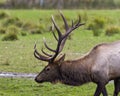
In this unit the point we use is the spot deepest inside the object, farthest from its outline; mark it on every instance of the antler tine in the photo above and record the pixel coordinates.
(35, 46)
(73, 27)
(68, 31)
(72, 23)
(65, 22)
(78, 23)
(47, 46)
(79, 20)
(54, 34)
(45, 53)
(62, 45)
(58, 30)
(39, 56)
(61, 39)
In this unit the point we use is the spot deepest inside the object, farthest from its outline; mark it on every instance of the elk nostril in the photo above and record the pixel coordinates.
(36, 80)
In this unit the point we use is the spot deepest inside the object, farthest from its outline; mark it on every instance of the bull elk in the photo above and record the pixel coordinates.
(100, 65)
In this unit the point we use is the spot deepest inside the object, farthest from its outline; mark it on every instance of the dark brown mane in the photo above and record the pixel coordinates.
(76, 72)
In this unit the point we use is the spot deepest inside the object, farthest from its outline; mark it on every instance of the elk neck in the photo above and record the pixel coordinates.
(76, 72)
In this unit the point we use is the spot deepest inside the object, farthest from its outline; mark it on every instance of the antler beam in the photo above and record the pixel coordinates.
(60, 39)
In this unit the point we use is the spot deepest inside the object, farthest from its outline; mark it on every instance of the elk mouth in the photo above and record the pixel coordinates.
(39, 81)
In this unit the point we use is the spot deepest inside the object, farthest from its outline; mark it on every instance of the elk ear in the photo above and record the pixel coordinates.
(61, 59)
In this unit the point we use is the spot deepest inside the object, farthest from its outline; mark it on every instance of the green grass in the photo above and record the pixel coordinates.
(17, 56)
(27, 87)
(2, 1)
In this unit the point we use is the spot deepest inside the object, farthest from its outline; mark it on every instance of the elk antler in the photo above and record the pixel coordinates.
(61, 38)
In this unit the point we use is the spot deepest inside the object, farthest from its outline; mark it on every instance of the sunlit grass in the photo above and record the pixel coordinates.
(2, 1)
(17, 56)
(27, 87)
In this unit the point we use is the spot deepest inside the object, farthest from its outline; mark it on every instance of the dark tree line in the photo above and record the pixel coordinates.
(61, 4)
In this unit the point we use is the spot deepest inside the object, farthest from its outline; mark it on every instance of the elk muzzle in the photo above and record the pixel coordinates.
(38, 80)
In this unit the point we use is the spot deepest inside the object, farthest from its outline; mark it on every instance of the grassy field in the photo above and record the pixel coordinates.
(17, 56)
(27, 87)
(2, 1)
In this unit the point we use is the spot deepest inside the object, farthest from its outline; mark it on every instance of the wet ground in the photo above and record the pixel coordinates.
(16, 75)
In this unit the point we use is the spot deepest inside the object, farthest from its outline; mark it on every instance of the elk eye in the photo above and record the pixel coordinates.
(48, 68)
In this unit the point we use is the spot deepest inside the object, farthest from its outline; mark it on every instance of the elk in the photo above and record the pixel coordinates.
(100, 65)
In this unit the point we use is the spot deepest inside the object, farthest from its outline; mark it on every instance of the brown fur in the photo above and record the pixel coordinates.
(72, 74)
(83, 70)
(100, 65)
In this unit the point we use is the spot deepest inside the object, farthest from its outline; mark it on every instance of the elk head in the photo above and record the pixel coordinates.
(51, 73)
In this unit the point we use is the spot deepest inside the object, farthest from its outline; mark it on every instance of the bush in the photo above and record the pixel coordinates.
(84, 16)
(11, 33)
(23, 33)
(28, 26)
(11, 21)
(100, 22)
(19, 23)
(36, 31)
(43, 28)
(11, 36)
(13, 28)
(95, 29)
(3, 15)
(2, 30)
(97, 25)
(111, 30)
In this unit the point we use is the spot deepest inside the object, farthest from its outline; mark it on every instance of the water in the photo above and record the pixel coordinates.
(16, 75)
